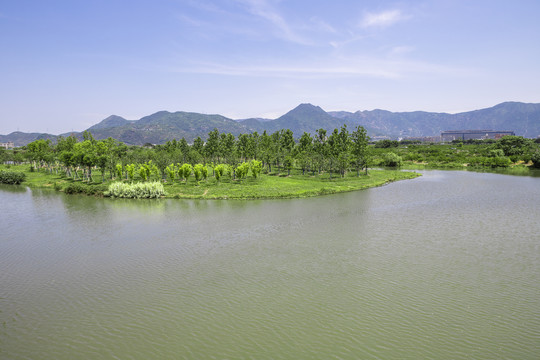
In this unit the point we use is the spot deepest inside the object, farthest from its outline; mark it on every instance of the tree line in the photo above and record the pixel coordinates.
(224, 154)
(334, 153)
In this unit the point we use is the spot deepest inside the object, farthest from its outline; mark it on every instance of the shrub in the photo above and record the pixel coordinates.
(535, 158)
(385, 144)
(219, 170)
(145, 190)
(75, 188)
(501, 161)
(242, 170)
(11, 177)
(256, 167)
(391, 159)
(198, 172)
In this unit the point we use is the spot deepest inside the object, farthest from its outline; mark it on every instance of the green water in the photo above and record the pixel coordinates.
(446, 266)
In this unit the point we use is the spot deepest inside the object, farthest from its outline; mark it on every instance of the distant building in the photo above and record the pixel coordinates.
(424, 139)
(451, 135)
(379, 138)
(7, 145)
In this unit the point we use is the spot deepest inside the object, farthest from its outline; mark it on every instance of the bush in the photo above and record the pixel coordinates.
(145, 190)
(256, 167)
(219, 170)
(385, 144)
(391, 159)
(535, 158)
(79, 188)
(500, 161)
(75, 188)
(11, 177)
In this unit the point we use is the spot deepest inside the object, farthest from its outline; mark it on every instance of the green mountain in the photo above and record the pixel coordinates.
(20, 138)
(110, 122)
(523, 119)
(163, 126)
(305, 117)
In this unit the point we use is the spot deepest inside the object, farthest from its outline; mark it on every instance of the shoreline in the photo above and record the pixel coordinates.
(266, 187)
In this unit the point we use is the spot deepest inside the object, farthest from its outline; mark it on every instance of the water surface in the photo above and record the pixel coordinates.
(446, 266)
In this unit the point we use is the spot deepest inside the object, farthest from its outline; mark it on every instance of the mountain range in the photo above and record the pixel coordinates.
(522, 118)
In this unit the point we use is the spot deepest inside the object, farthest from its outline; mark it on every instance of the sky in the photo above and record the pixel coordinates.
(65, 65)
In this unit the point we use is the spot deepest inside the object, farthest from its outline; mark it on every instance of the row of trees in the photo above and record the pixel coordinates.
(335, 153)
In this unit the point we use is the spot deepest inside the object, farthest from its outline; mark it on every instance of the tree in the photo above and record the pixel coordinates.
(65, 144)
(514, 145)
(267, 150)
(254, 140)
(171, 172)
(333, 150)
(359, 149)
(184, 148)
(102, 156)
(119, 171)
(198, 146)
(84, 154)
(40, 151)
(3, 155)
(242, 170)
(184, 171)
(287, 145)
(219, 170)
(342, 145)
(211, 148)
(385, 144)
(535, 158)
(197, 171)
(243, 145)
(229, 149)
(130, 170)
(391, 159)
(320, 147)
(256, 167)
(304, 151)
(288, 164)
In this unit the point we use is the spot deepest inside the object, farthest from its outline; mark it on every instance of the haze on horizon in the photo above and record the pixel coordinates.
(66, 65)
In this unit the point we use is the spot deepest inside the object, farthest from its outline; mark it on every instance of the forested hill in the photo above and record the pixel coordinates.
(163, 126)
(523, 119)
(19, 138)
(158, 128)
(305, 117)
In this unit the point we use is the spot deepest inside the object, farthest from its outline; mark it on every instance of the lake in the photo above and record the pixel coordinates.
(445, 266)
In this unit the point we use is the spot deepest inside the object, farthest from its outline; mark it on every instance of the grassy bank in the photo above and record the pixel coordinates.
(267, 186)
(276, 186)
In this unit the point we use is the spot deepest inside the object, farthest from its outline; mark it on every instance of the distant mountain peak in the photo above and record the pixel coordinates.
(307, 107)
(110, 122)
(522, 118)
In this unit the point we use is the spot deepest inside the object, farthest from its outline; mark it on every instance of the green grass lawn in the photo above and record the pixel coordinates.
(267, 186)
(275, 186)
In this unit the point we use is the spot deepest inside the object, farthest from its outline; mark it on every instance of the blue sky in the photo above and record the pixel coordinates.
(68, 64)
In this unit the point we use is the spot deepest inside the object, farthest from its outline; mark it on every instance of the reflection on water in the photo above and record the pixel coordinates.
(443, 266)
(517, 170)
(13, 188)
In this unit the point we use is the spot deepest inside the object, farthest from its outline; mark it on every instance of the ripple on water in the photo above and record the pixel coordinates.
(421, 269)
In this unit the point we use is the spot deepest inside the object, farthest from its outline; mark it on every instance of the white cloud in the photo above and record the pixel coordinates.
(359, 67)
(265, 10)
(382, 19)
